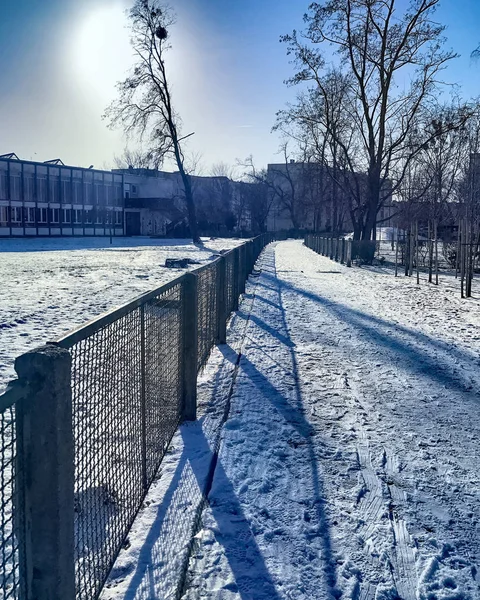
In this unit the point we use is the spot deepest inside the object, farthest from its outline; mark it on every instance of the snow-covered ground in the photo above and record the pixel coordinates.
(50, 286)
(349, 462)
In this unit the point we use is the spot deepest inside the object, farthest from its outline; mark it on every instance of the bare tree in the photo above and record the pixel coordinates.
(136, 159)
(320, 122)
(255, 194)
(144, 104)
(376, 42)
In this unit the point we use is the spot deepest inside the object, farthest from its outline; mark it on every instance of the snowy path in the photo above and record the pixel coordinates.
(349, 463)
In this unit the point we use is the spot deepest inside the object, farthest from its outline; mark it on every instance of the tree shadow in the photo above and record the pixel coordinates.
(384, 333)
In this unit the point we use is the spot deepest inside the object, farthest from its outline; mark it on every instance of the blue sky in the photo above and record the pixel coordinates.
(60, 59)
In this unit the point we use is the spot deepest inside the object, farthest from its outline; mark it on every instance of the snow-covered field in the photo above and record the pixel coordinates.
(349, 461)
(52, 285)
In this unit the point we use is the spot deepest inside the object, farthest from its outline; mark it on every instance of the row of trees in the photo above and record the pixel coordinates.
(376, 112)
(369, 112)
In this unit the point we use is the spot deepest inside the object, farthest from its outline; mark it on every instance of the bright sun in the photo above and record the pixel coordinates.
(101, 49)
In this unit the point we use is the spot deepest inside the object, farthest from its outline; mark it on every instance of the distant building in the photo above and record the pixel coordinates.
(53, 199)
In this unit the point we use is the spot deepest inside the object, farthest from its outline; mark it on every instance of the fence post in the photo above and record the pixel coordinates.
(221, 301)
(342, 257)
(250, 257)
(349, 253)
(236, 269)
(45, 488)
(190, 359)
(242, 269)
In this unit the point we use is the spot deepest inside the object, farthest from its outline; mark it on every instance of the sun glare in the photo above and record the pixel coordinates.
(101, 49)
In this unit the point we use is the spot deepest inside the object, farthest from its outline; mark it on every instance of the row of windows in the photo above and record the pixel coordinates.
(67, 191)
(17, 215)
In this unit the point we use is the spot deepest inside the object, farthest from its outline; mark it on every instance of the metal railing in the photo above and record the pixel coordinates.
(105, 400)
(342, 250)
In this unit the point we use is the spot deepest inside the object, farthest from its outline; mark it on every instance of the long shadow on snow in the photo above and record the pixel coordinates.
(293, 412)
(162, 561)
(414, 359)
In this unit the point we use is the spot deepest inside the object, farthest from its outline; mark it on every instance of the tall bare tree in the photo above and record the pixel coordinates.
(378, 44)
(144, 104)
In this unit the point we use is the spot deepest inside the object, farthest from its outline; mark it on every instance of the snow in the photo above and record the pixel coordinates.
(51, 285)
(348, 463)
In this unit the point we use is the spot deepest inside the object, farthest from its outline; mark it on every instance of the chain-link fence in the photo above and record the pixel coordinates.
(117, 388)
(341, 249)
(9, 555)
(207, 310)
(126, 399)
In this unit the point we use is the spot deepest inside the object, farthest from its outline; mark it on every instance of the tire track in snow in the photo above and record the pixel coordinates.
(404, 553)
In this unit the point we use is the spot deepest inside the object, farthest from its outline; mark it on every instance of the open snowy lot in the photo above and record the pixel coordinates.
(348, 464)
(50, 286)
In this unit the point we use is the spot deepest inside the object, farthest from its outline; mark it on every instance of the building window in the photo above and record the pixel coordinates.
(29, 215)
(3, 216)
(15, 184)
(77, 192)
(77, 216)
(3, 186)
(98, 217)
(54, 215)
(54, 190)
(16, 214)
(99, 194)
(127, 190)
(42, 215)
(42, 189)
(29, 188)
(118, 217)
(67, 216)
(66, 191)
(108, 217)
(88, 216)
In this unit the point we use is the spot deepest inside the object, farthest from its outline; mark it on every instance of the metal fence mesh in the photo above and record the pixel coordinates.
(9, 561)
(230, 280)
(207, 311)
(126, 391)
(163, 374)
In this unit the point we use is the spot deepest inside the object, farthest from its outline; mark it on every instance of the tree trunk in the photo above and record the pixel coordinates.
(187, 186)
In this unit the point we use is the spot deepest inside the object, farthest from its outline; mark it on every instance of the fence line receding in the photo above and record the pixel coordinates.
(107, 399)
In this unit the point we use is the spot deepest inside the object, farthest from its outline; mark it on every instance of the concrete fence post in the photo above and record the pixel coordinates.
(349, 253)
(222, 301)
(190, 350)
(250, 257)
(242, 269)
(235, 278)
(342, 257)
(45, 463)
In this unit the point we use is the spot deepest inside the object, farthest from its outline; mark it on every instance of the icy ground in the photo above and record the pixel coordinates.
(349, 461)
(50, 286)
(350, 458)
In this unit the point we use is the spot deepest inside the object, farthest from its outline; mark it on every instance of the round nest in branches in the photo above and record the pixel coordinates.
(161, 33)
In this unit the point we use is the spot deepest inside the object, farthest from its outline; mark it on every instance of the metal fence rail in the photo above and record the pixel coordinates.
(106, 400)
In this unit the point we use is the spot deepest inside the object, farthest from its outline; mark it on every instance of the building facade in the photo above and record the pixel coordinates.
(52, 199)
